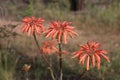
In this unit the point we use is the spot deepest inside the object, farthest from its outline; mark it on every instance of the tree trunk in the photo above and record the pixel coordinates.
(80, 4)
(77, 5)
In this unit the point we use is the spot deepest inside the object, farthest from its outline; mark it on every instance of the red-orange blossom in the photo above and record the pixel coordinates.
(32, 24)
(60, 30)
(48, 47)
(91, 53)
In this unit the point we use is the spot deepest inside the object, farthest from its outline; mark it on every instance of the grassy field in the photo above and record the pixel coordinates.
(100, 24)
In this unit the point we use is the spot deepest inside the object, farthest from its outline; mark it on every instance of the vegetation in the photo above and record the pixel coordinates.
(98, 22)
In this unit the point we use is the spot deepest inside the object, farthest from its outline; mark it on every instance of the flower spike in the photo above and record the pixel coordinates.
(60, 30)
(91, 53)
(48, 47)
(32, 25)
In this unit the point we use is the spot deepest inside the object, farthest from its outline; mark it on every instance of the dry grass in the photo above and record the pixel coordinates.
(100, 26)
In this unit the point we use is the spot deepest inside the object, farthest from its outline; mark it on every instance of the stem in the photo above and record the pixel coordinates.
(60, 60)
(44, 58)
(26, 75)
(82, 74)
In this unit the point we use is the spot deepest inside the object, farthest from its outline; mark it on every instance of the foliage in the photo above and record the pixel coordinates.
(8, 63)
(92, 20)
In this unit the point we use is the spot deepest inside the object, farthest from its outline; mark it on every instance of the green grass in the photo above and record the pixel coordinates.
(8, 63)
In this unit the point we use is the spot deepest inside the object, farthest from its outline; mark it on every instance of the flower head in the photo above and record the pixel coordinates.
(59, 30)
(48, 47)
(91, 53)
(26, 67)
(31, 24)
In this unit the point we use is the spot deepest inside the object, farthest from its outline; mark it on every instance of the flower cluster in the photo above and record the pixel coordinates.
(32, 25)
(48, 47)
(91, 53)
(59, 30)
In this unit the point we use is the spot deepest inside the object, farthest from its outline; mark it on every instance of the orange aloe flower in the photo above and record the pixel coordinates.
(91, 53)
(32, 24)
(59, 30)
(48, 47)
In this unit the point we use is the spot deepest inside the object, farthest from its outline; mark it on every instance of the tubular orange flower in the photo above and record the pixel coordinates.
(91, 53)
(32, 25)
(48, 47)
(59, 30)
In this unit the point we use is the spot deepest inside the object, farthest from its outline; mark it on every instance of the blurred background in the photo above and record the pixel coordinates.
(97, 20)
